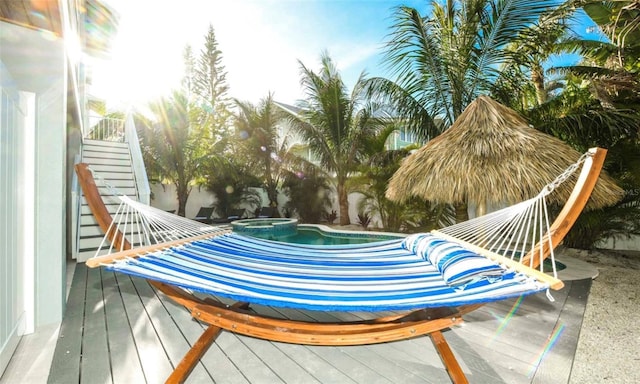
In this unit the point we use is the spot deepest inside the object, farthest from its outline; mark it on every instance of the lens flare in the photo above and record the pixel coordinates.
(553, 339)
(505, 321)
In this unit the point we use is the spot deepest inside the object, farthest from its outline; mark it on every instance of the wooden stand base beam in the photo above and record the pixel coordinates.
(448, 359)
(193, 356)
(189, 361)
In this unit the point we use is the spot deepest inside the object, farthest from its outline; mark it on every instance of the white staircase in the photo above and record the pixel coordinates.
(111, 164)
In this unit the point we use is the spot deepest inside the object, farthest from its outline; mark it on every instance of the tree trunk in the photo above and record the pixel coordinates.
(462, 213)
(537, 77)
(182, 193)
(343, 201)
(272, 194)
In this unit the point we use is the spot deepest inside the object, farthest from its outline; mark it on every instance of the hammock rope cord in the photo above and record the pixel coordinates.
(392, 274)
(144, 225)
(514, 231)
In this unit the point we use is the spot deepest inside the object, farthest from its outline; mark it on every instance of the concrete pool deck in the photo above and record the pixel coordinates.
(609, 345)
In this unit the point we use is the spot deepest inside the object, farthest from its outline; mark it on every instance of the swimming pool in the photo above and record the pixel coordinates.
(321, 235)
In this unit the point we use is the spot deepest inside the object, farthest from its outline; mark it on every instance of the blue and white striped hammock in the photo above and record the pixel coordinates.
(478, 261)
(376, 276)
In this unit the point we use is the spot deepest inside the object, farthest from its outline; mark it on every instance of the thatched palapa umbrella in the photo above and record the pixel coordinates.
(490, 155)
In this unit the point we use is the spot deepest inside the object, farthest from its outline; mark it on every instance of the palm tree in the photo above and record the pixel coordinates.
(309, 191)
(599, 106)
(443, 61)
(524, 80)
(611, 63)
(260, 145)
(231, 182)
(173, 148)
(334, 122)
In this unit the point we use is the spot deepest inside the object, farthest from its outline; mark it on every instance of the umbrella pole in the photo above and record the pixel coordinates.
(481, 208)
(462, 213)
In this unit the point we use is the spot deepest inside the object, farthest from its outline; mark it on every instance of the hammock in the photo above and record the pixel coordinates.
(436, 276)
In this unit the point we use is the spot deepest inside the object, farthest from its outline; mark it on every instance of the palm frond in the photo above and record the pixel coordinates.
(404, 107)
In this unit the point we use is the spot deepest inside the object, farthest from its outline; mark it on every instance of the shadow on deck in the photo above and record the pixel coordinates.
(119, 329)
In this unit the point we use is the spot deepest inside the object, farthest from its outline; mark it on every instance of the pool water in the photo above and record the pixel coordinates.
(548, 266)
(315, 236)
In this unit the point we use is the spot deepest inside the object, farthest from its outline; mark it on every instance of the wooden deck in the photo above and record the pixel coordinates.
(118, 329)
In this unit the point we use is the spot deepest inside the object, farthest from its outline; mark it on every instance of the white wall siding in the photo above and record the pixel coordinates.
(632, 244)
(50, 203)
(12, 309)
(33, 80)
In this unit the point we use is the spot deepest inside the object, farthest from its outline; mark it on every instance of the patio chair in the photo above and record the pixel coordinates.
(268, 212)
(234, 214)
(204, 215)
(433, 278)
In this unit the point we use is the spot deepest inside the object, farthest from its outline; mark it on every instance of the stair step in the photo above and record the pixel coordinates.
(93, 161)
(85, 210)
(117, 183)
(104, 144)
(87, 220)
(87, 254)
(108, 195)
(99, 168)
(91, 231)
(96, 149)
(111, 164)
(93, 243)
(114, 175)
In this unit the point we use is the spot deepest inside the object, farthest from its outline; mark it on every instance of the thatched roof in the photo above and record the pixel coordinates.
(491, 155)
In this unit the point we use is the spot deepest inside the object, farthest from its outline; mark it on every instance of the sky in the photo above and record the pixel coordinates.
(262, 43)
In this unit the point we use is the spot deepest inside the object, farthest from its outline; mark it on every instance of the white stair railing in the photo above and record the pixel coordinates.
(106, 129)
(137, 163)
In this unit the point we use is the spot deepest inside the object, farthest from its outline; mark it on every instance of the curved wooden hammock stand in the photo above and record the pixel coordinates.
(239, 319)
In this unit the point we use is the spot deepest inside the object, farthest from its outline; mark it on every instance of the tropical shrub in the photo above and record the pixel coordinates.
(309, 193)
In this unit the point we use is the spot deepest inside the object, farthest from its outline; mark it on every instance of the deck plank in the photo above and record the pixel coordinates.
(65, 366)
(169, 333)
(420, 356)
(95, 367)
(142, 335)
(558, 359)
(383, 366)
(215, 362)
(251, 366)
(288, 370)
(153, 358)
(121, 341)
(311, 358)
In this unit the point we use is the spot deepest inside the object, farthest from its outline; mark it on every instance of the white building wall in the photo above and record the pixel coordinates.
(164, 197)
(632, 244)
(13, 305)
(32, 221)
(35, 64)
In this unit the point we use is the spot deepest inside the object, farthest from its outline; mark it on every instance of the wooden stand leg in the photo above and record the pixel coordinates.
(201, 346)
(189, 361)
(450, 363)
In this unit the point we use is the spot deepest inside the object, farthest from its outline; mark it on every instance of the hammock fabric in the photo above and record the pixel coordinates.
(437, 277)
(377, 276)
